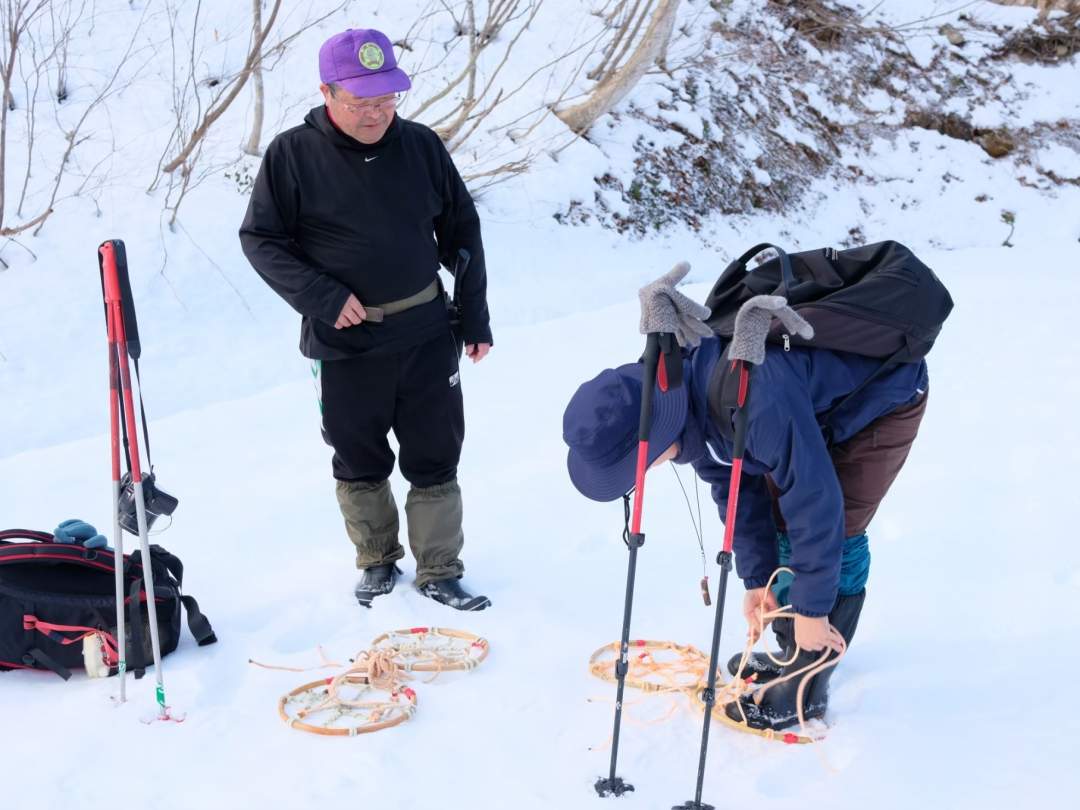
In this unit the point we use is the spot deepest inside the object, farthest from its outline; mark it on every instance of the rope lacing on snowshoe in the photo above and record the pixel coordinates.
(320, 707)
(740, 686)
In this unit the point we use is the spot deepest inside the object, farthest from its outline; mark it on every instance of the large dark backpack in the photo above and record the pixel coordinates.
(877, 301)
(54, 595)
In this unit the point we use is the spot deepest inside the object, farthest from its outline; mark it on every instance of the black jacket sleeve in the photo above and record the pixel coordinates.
(266, 238)
(458, 226)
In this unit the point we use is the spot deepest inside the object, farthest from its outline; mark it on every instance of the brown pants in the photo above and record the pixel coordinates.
(868, 463)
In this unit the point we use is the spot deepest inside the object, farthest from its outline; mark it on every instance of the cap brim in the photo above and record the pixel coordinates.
(614, 480)
(383, 83)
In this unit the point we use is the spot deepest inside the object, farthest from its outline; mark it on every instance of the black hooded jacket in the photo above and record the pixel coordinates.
(330, 216)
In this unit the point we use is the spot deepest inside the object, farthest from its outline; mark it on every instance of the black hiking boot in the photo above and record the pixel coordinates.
(376, 581)
(449, 592)
(759, 665)
(778, 708)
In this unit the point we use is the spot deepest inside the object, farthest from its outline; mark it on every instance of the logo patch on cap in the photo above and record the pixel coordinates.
(371, 56)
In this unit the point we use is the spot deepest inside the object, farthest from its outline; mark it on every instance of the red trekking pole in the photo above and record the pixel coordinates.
(752, 325)
(666, 375)
(120, 389)
(114, 441)
(724, 560)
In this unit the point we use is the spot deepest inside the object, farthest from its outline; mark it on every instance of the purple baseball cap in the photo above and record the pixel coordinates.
(362, 61)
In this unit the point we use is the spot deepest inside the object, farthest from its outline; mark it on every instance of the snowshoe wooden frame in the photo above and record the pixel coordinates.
(374, 715)
(691, 660)
(725, 695)
(433, 649)
(667, 675)
(315, 706)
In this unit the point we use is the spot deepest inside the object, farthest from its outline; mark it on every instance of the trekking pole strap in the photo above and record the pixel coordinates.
(112, 258)
(142, 412)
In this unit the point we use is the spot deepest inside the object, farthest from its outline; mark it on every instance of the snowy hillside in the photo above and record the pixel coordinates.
(217, 318)
(975, 572)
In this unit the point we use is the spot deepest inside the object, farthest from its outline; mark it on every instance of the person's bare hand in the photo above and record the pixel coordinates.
(351, 314)
(477, 351)
(755, 600)
(815, 634)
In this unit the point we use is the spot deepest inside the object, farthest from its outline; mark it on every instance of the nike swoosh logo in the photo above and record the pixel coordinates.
(371, 158)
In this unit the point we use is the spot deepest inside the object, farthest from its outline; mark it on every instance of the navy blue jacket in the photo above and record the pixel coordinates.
(784, 441)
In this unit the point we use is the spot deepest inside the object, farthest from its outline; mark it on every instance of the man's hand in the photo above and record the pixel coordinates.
(351, 314)
(815, 634)
(755, 600)
(477, 351)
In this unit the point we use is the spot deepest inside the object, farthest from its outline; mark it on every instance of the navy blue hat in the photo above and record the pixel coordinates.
(600, 426)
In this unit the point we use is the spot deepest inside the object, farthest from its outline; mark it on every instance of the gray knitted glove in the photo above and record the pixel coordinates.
(752, 326)
(665, 309)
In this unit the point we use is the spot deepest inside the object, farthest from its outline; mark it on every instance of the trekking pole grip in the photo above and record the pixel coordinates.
(648, 380)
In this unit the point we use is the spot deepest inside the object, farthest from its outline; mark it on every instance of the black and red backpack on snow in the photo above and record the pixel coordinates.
(57, 599)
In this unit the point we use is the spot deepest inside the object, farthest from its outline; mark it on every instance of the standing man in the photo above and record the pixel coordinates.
(351, 215)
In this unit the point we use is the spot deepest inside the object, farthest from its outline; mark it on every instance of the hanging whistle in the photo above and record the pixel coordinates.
(705, 591)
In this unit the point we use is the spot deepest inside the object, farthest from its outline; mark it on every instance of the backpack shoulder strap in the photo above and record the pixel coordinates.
(41, 658)
(170, 561)
(198, 624)
(723, 395)
(137, 662)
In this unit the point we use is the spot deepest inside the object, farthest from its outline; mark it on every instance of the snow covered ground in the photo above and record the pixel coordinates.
(956, 692)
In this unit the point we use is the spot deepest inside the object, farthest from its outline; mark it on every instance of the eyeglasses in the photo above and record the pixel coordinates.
(371, 106)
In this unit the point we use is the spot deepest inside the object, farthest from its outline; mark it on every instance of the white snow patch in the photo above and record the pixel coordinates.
(877, 100)
(1060, 160)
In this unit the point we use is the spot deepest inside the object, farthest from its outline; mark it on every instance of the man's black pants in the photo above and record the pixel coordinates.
(416, 393)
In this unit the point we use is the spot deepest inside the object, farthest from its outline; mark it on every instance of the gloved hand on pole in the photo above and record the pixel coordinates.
(665, 309)
(752, 324)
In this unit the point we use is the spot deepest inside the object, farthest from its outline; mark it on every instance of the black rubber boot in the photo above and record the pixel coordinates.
(759, 664)
(449, 592)
(377, 580)
(778, 709)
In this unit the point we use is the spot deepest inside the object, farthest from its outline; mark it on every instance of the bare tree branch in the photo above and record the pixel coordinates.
(36, 221)
(254, 56)
(620, 81)
(71, 136)
(252, 146)
(15, 17)
(185, 149)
